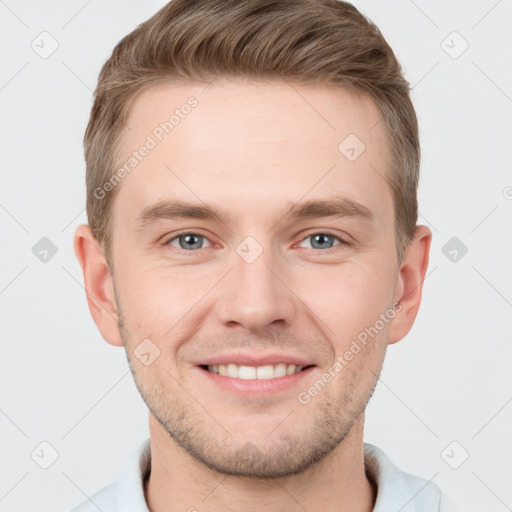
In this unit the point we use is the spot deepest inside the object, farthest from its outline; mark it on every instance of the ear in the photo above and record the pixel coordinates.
(410, 283)
(98, 283)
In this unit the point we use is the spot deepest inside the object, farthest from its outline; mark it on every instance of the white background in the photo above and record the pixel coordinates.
(449, 380)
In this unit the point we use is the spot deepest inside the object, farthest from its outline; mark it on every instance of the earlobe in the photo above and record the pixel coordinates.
(98, 284)
(409, 286)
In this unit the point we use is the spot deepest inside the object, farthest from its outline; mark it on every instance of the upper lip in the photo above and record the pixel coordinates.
(255, 360)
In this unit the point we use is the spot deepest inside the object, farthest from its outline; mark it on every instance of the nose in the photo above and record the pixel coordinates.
(256, 295)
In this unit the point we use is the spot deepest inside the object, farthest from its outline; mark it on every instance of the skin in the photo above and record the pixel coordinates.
(251, 148)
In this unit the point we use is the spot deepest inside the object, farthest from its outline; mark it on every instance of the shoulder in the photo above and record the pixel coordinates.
(397, 489)
(103, 500)
(127, 493)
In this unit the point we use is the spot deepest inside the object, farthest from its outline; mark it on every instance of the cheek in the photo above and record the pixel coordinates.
(347, 299)
(154, 299)
(161, 301)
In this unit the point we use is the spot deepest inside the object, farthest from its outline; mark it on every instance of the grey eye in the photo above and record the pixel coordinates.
(322, 240)
(188, 241)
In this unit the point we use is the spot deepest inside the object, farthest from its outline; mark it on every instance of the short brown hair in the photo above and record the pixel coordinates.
(325, 42)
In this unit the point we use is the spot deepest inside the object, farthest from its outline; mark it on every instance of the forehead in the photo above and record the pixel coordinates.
(252, 143)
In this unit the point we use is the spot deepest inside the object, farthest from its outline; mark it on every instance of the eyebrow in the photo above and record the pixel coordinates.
(175, 209)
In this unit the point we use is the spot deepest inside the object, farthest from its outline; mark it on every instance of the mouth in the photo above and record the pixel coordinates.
(265, 372)
(256, 377)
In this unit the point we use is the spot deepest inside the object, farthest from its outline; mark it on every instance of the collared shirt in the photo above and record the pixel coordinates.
(396, 490)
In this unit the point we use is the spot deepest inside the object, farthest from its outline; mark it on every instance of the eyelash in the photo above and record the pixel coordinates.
(342, 241)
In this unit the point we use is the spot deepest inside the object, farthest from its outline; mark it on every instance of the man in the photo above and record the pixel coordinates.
(252, 169)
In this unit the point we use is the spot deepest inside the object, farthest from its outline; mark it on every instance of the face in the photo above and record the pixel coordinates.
(246, 242)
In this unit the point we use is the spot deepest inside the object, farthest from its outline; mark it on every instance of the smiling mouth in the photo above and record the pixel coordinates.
(266, 372)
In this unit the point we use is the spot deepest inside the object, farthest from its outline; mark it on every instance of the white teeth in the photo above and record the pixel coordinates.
(265, 372)
(232, 371)
(280, 370)
(251, 372)
(290, 370)
(246, 372)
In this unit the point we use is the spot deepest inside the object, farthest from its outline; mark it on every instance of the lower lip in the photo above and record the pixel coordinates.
(256, 386)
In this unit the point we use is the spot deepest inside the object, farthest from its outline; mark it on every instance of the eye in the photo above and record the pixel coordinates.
(188, 241)
(323, 241)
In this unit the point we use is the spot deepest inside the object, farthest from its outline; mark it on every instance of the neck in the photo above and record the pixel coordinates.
(179, 482)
